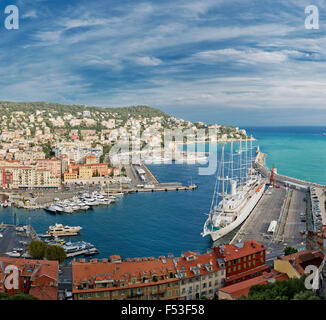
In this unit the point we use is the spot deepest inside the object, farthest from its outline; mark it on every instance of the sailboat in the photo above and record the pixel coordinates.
(233, 202)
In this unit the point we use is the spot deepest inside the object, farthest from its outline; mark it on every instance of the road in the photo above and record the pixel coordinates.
(269, 209)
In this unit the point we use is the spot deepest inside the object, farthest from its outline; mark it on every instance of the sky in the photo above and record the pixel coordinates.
(237, 62)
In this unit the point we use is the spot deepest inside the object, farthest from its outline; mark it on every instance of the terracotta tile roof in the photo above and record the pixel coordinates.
(44, 293)
(35, 270)
(202, 264)
(242, 288)
(300, 260)
(238, 250)
(121, 272)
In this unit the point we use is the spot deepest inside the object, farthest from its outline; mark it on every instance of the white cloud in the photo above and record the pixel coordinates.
(148, 61)
(29, 14)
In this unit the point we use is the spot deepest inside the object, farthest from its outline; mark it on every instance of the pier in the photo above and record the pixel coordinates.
(283, 204)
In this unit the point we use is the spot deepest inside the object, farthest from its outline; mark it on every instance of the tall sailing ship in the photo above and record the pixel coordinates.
(235, 195)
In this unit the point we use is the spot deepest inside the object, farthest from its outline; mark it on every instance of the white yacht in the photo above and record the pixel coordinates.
(61, 230)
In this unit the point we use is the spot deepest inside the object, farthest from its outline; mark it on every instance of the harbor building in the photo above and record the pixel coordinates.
(131, 279)
(242, 260)
(38, 278)
(200, 274)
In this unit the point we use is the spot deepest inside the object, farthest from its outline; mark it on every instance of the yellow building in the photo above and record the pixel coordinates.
(70, 175)
(29, 177)
(85, 172)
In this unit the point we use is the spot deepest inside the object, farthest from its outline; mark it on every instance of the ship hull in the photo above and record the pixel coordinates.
(245, 212)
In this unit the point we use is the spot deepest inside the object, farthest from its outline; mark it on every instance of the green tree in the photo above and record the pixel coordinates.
(4, 296)
(55, 252)
(37, 249)
(305, 295)
(22, 296)
(289, 250)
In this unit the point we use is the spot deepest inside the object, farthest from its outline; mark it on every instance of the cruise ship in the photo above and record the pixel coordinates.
(233, 201)
(60, 231)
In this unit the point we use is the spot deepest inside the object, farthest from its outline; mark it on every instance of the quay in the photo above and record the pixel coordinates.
(15, 240)
(285, 204)
(144, 182)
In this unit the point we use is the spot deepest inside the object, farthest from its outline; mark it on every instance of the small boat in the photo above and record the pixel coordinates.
(5, 204)
(50, 209)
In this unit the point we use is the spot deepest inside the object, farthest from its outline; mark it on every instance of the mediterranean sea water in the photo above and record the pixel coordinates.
(159, 223)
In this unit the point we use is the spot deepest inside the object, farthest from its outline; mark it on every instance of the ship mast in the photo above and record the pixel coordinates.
(246, 155)
(231, 160)
(240, 160)
(223, 177)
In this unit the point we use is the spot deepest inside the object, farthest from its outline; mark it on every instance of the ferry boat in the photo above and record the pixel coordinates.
(232, 205)
(60, 230)
(79, 248)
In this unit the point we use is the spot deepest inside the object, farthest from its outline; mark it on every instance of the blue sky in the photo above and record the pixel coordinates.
(240, 62)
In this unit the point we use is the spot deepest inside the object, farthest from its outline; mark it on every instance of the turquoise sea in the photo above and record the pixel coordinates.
(154, 224)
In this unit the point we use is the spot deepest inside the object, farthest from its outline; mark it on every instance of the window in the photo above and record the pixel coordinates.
(244, 265)
(249, 258)
(261, 253)
(115, 293)
(229, 263)
(98, 294)
(253, 255)
(261, 259)
(234, 268)
(229, 270)
(106, 294)
(249, 264)
(239, 267)
(176, 292)
(170, 293)
(244, 258)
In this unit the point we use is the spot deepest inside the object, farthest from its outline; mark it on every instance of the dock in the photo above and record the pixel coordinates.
(283, 205)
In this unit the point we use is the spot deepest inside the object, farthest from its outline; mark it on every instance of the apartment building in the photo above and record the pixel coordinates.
(131, 279)
(19, 177)
(200, 274)
(28, 155)
(242, 260)
(38, 278)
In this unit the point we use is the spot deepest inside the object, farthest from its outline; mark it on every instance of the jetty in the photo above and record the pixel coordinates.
(260, 166)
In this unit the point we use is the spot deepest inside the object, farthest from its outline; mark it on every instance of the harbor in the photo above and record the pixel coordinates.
(83, 197)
